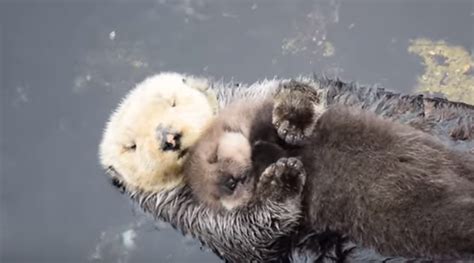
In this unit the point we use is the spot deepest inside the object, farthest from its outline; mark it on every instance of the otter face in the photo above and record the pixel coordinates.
(234, 180)
(219, 169)
(147, 137)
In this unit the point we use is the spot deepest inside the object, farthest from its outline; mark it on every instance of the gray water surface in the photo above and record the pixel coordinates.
(65, 65)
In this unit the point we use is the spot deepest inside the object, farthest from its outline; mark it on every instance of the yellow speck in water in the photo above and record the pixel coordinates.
(449, 69)
(329, 49)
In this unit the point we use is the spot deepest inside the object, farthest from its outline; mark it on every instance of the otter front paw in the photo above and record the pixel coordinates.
(297, 108)
(283, 179)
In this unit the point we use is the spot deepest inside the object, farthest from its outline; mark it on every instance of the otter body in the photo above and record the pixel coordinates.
(146, 140)
(387, 186)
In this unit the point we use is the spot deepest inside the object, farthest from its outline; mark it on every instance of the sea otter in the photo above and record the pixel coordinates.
(145, 143)
(387, 186)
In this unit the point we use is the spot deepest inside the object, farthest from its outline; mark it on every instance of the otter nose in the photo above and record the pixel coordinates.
(169, 139)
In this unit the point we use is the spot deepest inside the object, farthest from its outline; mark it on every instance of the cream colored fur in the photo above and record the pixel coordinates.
(145, 167)
(235, 146)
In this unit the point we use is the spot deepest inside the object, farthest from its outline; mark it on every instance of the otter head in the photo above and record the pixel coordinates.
(234, 181)
(219, 169)
(148, 135)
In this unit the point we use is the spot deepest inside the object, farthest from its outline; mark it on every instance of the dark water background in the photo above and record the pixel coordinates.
(64, 65)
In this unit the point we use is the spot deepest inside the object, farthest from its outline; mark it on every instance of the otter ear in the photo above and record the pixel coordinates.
(201, 84)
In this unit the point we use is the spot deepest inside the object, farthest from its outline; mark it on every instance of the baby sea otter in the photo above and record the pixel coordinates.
(366, 176)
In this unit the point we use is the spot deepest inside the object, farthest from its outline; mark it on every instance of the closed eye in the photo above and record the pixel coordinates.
(229, 184)
(131, 147)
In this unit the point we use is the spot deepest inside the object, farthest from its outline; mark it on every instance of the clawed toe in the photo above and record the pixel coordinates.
(290, 133)
(286, 177)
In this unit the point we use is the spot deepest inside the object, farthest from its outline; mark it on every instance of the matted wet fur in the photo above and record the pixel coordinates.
(387, 186)
(180, 208)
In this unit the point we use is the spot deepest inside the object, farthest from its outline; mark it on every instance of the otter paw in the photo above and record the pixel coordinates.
(286, 177)
(291, 133)
(295, 112)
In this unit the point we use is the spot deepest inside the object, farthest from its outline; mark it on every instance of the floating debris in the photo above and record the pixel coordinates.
(292, 46)
(229, 15)
(329, 49)
(139, 64)
(448, 69)
(117, 244)
(112, 35)
(128, 238)
(81, 83)
(311, 34)
(22, 95)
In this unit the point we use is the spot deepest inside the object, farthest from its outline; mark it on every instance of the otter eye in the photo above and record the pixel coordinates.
(131, 147)
(230, 184)
(172, 102)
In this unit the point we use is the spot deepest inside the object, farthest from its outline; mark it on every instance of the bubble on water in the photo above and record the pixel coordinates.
(128, 238)
(112, 35)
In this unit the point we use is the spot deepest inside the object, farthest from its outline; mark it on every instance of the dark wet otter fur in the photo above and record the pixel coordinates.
(228, 235)
(386, 185)
(389, 187)
(452, 122)
(179, 208)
